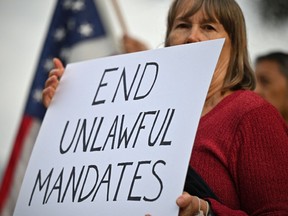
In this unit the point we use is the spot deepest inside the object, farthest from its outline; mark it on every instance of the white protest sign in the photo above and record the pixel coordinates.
(118, 135)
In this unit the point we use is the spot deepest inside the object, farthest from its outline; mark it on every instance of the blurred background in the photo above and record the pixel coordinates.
(23, 27)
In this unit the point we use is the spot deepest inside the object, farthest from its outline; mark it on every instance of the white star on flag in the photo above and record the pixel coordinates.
(85, 29)
(59, 34)
(67, 4)
(78, 5)
(48, 64)
(37, 95)
(65, 53)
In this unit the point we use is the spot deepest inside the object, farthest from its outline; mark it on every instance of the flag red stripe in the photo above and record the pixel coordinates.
(14, 158)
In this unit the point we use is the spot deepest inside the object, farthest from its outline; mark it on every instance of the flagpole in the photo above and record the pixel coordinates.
(120, 16)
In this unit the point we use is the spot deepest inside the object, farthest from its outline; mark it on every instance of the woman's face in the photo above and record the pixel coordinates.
(196, 28)
(272, 84)
(199, 28)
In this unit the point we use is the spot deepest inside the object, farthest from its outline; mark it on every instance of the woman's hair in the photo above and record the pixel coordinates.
(280, 58)
(240, 74)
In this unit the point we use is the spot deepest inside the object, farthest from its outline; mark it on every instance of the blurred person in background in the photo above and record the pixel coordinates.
(272, 80)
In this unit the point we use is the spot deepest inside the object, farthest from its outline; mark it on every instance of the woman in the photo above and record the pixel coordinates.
(272, 80)
(236, 150)
(241, 143)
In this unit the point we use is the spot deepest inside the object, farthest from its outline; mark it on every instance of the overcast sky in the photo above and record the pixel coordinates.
(23, 26)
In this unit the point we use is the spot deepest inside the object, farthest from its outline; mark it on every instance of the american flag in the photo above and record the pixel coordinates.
(74, 24)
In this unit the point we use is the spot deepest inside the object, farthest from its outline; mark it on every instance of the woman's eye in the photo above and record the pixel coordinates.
(209, 27)
(182, 25)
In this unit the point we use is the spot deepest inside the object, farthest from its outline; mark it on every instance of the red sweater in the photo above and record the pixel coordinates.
(241, 151)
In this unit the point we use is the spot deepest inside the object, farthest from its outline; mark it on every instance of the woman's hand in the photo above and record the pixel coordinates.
(52, 82)
(190, 205)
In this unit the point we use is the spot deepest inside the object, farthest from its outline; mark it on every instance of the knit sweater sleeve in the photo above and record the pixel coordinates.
(258, 165)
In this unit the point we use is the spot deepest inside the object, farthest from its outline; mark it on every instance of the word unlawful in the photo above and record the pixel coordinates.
(56, 186)
(118, 135)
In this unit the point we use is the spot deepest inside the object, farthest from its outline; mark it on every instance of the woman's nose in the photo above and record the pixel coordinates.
(194, 35)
